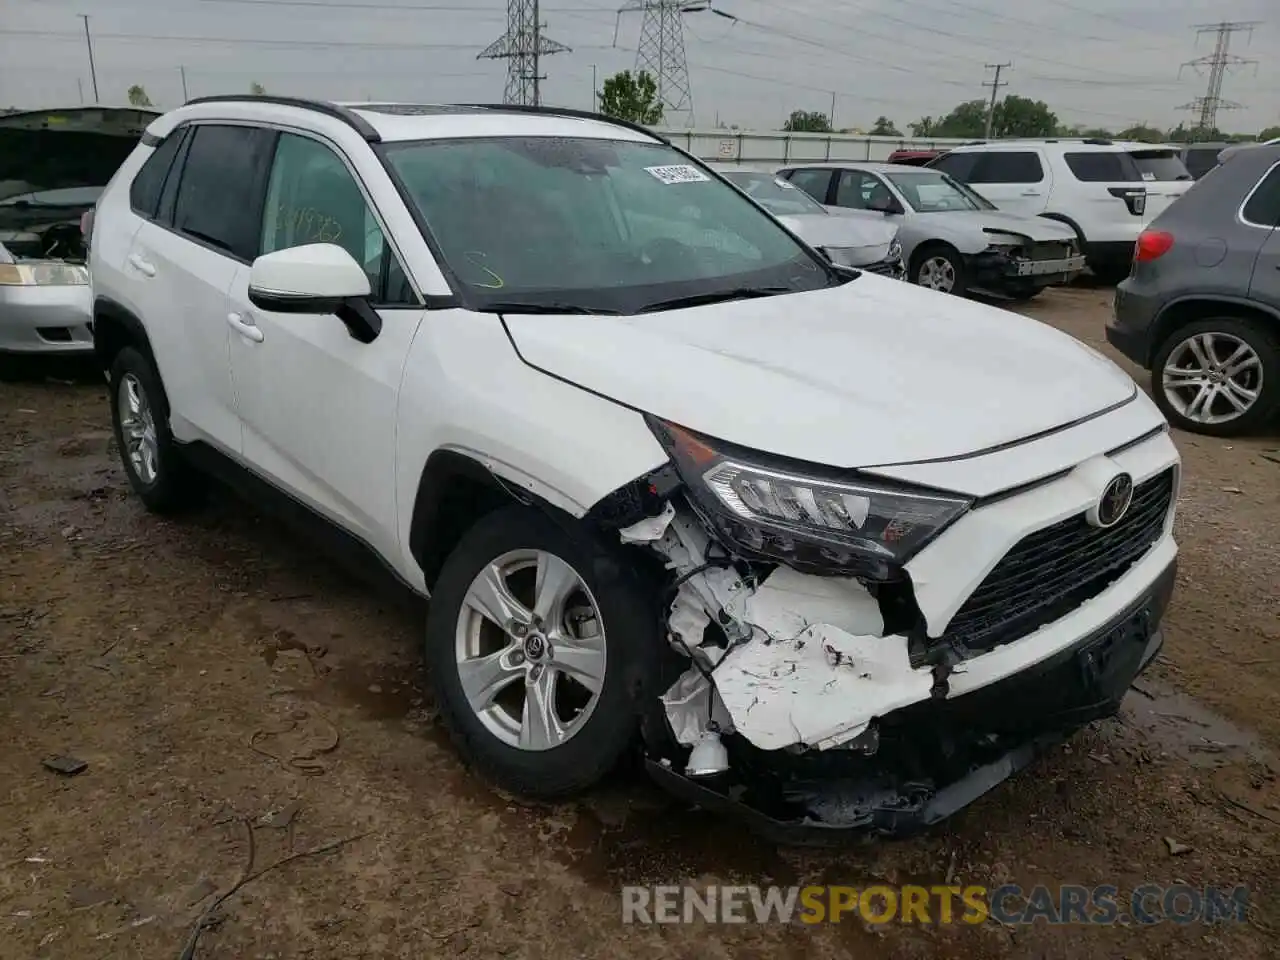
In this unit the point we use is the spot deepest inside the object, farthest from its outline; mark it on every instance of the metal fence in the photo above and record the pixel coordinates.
(779, 148)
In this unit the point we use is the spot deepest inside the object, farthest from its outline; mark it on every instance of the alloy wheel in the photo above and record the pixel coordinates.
(937, 273)
(530, 649)
(1212, 378)
(138, 429)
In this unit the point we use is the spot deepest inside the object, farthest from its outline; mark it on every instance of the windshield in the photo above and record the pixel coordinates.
(1160, 165)
(593, 225)
(773, 193)
(930, 191)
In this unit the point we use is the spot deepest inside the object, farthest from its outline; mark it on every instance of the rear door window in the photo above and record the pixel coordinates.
(958, 166)
(219, 200)
(1160, 165)
(1103, 166)
(1007, 166)
(144, 192)
(813, 182)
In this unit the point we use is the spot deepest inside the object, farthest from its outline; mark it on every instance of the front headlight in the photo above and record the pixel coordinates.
(842, 256)
(772, 508)
(43, 273)
(895, 250)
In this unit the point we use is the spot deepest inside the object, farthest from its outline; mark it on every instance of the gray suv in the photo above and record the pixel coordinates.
(1201, 307)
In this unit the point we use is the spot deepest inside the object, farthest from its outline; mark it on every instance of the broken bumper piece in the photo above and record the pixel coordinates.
(934, 757)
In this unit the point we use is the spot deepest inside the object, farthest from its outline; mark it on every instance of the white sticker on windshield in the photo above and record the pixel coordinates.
(1148, 176)
(784, 184)
(678, 173)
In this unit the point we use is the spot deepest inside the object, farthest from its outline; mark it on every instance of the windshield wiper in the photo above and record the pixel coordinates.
(719, 296)
(520, 306)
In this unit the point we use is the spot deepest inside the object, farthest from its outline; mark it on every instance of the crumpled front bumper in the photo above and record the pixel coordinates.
(938, 756)
(999, 271)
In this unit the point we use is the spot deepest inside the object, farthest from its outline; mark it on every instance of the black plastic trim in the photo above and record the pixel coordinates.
(352, 119)
(149, 139)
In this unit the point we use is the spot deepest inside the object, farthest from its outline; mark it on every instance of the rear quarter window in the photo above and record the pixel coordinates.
(144, 192)
(1102, 166)
(1263, 205)
(1160, 165)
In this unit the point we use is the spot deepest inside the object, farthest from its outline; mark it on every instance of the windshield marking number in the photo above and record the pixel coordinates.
(677, 173)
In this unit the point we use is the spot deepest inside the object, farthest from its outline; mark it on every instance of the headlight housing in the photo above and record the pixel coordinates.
(43, 273)
(842, 256)
(783, 511)
(895, 250)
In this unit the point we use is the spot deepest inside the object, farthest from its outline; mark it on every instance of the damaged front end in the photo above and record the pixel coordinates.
(804, 691)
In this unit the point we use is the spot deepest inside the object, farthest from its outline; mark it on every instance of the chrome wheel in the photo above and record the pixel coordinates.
(937, 273)
(530, 649)
(138, 429)
(1212, 378)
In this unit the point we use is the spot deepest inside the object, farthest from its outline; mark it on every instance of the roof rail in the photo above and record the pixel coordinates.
(349, 117)
(569, 112)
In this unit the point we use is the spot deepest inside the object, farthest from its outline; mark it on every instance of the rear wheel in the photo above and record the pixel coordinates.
(159, 475)
(542, 645)
(1219, 376)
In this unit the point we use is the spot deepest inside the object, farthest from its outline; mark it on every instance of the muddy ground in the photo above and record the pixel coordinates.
(238, 699)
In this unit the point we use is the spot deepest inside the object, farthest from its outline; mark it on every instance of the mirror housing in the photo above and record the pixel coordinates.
(315, 278)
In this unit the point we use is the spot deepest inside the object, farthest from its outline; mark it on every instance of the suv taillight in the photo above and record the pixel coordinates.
(1152, 245)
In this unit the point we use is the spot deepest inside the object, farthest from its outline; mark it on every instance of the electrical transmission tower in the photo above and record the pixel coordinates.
(1217, 62)
(661, 50)
(523, 46)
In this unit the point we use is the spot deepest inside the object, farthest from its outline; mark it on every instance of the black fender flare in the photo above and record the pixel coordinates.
(1063, 218)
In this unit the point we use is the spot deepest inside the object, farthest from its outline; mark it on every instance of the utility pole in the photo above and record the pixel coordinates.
(831, 117)
(183, 70)
(1208, 106)
(595, 91)
(93, 71)
(995, 86)
(80, 85)
(522, 46)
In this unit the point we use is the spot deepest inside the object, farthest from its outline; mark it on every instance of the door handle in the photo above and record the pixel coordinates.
(245, 327)
(144, 267)
(1031, 193)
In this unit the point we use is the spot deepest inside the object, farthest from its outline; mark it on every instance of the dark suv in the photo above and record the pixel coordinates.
(1201, 307)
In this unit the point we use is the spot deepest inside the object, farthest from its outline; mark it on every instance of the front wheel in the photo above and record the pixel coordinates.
(1218, 376)
(541, 647)
(939, 268)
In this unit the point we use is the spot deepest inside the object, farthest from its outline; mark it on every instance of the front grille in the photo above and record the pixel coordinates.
(1050, 250)
(1049, 573)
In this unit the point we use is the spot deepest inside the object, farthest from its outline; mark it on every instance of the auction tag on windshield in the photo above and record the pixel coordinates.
(679, 173)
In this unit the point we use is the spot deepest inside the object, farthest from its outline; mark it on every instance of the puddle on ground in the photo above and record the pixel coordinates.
(380, 691)
(1177, 724)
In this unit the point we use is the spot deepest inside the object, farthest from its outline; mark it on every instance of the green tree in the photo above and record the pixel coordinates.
(1184, 134)
(1016, 116)
(1140, 131)
(967, 120)
(1269, 134)
(807, 121)
(257, 89)
(632, 97)
(138, 97)
(1098, 133)
(884, 128)
(924, 127)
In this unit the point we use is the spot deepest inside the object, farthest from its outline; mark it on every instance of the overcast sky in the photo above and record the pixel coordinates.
(1096, 62)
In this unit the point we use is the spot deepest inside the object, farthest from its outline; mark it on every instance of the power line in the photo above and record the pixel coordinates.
(1217, 62)
(995, 86)
(523, 46)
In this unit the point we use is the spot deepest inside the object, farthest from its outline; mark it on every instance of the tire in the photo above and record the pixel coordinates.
(934, 256)
(1023, 294)
(1229, 335)
(629, 633)
(170, 485)
(15, 368)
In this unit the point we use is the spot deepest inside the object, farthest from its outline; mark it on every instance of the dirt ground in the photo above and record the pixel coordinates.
(239, 700)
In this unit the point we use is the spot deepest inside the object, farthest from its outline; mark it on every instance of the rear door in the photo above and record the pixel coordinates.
(1016, 181)
(815, 181)
(185, 262)
(1109, 196)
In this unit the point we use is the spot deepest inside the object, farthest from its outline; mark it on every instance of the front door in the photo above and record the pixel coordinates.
(318, 408)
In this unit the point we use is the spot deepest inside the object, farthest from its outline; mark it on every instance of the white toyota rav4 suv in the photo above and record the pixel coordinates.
(826, 549)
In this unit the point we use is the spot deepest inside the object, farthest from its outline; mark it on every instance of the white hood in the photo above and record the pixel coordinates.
(820, 230)
(873, 372)
(1036, 229)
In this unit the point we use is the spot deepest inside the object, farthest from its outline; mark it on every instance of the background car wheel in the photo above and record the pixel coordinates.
(938, 267)
(542, 646)
(155, 467)
(1023, 294)
(1219, 376)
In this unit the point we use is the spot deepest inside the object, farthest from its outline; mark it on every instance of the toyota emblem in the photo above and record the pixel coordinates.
(1114, 502)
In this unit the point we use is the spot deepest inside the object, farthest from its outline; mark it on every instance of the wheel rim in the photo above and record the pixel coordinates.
(138, 429)
(530, 650)
(1212, 378)
(937, 273)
